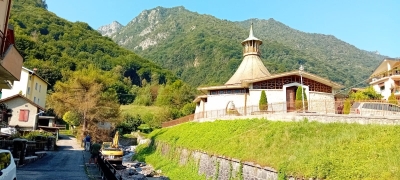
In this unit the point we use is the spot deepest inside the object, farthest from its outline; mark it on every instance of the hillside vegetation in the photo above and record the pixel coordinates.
(204, 50)
(73, 57)
(302, 149)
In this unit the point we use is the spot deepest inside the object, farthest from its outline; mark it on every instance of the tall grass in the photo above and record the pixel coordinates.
(302, 149)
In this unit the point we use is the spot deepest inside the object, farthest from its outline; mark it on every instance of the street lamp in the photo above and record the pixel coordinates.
(301, 69)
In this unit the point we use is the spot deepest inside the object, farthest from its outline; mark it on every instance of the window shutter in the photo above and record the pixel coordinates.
(23, 115)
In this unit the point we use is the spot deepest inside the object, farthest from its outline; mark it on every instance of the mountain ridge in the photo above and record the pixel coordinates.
(192, 45)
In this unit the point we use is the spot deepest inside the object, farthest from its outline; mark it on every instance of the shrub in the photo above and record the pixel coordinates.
(392, 99)
(347, 106)
(299, 99)
(263, 103)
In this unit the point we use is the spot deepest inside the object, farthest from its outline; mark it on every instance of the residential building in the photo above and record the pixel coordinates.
(243, 89)
(25, 113)
(10, 59)
(386, 78)
(30, 85)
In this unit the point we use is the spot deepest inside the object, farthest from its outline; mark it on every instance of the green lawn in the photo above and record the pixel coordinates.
(302, 149)
(141, 110)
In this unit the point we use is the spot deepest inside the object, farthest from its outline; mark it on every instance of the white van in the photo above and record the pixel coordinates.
(375, 108)
(8, 169)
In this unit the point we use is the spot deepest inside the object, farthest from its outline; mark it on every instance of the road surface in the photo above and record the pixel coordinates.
(64, 164)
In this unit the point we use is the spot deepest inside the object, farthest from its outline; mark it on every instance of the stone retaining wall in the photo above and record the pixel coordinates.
(219, 167)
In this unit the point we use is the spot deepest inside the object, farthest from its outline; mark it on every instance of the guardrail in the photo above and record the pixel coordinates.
(108, 171)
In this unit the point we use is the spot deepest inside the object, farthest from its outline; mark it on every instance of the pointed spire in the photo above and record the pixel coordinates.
(251, 36)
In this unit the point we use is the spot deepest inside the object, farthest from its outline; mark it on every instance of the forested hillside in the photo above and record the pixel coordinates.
(73, 56)
(204, 50)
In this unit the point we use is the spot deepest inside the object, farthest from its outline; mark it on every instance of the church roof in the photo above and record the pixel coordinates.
(296, 72)
(251, 68)
(251, 36)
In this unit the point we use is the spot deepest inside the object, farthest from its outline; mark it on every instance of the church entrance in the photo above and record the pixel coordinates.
(290, 98)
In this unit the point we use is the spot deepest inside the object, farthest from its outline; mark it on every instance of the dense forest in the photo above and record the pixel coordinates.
(73, 57)
(204, 50)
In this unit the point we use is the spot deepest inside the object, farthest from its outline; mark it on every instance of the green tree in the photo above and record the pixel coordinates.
(263, 103)
(392, 99)
(88, 93)
(72, 118)
(368, 93)
(299, 99)
(347, 106)
(188, 108)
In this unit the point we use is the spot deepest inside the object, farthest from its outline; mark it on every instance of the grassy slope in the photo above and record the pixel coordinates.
(141, 110)
(310, 149)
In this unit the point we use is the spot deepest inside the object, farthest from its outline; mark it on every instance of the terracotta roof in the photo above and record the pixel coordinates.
(23, 97)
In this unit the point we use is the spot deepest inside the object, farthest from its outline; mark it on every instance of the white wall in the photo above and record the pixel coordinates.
(104, 125)
(386, 92)
(218, 102)
(37, 94)
(215, 105)
(16, 105)
(21, 85)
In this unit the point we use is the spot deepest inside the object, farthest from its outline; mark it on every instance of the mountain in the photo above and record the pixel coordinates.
(204, 50)
(110, 29)
(57, 47)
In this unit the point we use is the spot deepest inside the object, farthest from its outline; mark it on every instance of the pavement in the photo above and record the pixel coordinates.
(93, 170)
(69, 162)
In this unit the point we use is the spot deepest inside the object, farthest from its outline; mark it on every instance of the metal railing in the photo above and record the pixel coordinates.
(107, 170)
(312, 106)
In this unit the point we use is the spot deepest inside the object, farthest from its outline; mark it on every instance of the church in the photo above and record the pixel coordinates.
(240, 95)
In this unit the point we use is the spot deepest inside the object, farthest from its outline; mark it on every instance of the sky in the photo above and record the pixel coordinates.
(369, 25)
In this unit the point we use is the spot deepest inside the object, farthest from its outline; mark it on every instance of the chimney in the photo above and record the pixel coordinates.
(35, 70)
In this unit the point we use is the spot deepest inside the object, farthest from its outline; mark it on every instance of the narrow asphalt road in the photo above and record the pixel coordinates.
(64, 164)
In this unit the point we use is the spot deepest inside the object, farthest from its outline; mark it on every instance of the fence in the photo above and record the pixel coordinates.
(178, 121)
(311, 106)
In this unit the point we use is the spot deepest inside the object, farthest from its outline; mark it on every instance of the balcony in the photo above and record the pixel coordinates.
(10, 61)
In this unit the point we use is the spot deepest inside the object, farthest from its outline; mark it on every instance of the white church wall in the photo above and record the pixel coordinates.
(274, 97)
(218, 102)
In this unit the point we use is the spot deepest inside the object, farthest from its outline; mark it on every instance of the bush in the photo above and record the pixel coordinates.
(263, 103)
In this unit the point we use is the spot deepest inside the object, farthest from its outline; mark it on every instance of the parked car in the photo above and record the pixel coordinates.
(9, 131)
(375, 108)
(8, 169)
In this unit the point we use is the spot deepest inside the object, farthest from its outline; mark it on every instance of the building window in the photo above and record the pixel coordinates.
(29, 90)
(34, 99)
(40, 87)
(38, 100)
(23, 115)
(36, 86)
